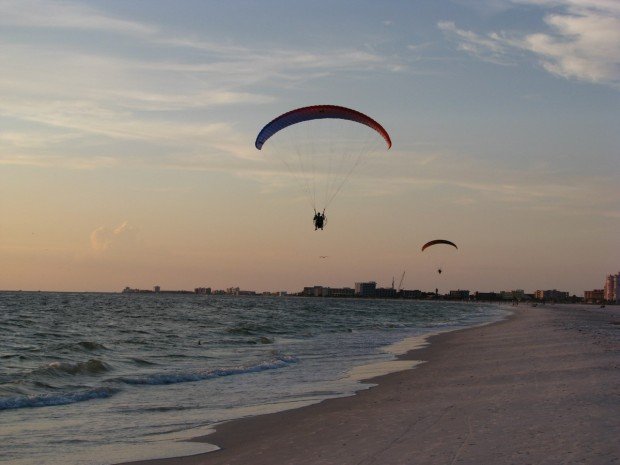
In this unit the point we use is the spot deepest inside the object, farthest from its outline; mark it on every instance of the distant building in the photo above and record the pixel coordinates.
(594, 297)
(486, 296)
(459, 295)
(385, 293)
(236, 291)
(155, 290)
(410, 294)
(575, 299)
(240, 292)
(315, 291)
(365, 289)
(515, 294)
(129, 290)
(612, 288)
(324, 291)
(341, 292)
(552, 295)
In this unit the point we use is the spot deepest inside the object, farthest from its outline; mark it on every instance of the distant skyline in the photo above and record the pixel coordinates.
(127, 143)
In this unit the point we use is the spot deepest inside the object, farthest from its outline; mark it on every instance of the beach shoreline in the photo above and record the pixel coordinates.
(539, 386)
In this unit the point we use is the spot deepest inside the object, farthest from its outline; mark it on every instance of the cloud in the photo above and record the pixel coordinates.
(65, 15)
(418, 47)
(582, 40)
(584, 43)
(56, 161)
(52, 14)
(489, 48)
(121, 239)
(33, 138)
(462, 178)
(78, 99)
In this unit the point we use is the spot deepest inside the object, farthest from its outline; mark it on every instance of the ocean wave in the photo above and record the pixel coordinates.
(46, 400)
(260, 340)
(82, 346)
(91, 367)
(90, 345)
(141, 361)
(242, 330)
(200, 375)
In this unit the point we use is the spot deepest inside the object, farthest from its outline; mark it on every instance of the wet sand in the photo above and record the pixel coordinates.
(541, 387)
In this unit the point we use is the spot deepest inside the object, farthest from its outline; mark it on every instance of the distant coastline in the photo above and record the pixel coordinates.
(368, 290)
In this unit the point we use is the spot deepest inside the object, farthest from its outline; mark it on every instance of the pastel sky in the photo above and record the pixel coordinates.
(127, 143)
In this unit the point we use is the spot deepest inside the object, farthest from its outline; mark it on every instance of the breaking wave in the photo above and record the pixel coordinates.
(200, 375)
(46, 400)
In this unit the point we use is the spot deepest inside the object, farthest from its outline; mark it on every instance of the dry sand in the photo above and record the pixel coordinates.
(541, 387)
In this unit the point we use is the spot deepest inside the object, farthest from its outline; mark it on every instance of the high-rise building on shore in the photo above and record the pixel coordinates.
(612, 288)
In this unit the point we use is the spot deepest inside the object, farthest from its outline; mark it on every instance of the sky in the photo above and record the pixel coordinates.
(127, 135)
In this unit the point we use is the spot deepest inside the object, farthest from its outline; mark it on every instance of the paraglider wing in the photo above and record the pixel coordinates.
(318, 112)
(322, 145)
(439, 241)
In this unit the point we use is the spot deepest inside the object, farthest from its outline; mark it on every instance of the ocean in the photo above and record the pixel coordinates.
(95, 378)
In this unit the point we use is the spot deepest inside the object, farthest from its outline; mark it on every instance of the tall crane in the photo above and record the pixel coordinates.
(400, 284)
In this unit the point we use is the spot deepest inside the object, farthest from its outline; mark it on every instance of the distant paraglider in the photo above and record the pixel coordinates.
(435, 242)
(322, 145)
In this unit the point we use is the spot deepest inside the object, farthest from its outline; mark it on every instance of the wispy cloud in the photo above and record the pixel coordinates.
(117, 239)
(65, 15)
(582, 40)
(473, 183)
(94, 96)
(490, 47)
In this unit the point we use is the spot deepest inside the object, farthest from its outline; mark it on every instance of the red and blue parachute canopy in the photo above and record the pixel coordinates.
(318, 112)
(439, 241)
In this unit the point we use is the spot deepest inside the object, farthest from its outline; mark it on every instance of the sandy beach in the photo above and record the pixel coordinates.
(539, 387)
